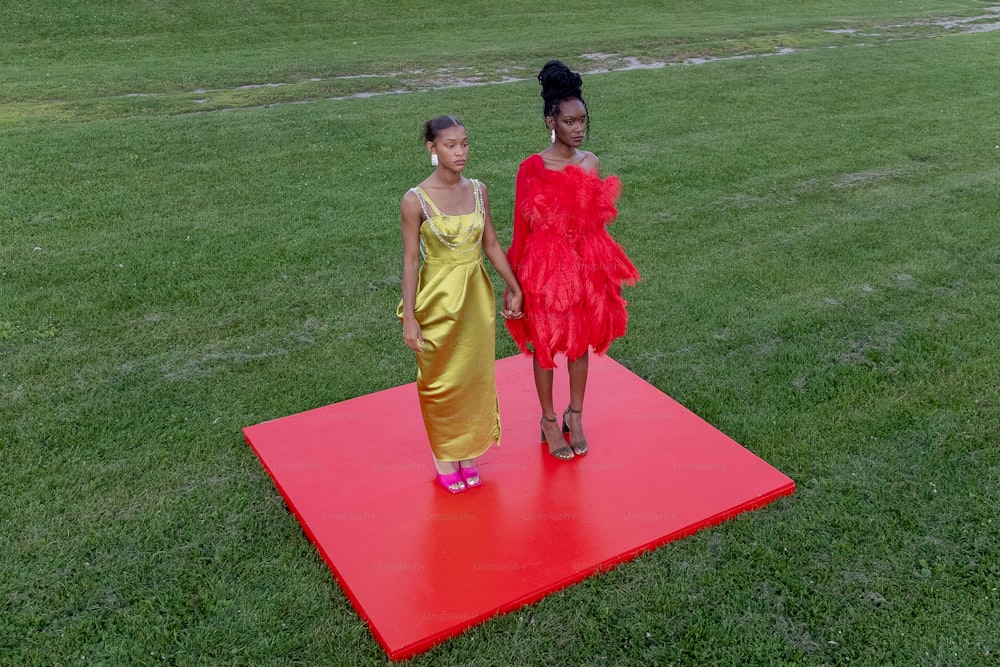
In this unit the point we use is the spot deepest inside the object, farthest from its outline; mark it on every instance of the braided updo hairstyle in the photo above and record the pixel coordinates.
(560, 83)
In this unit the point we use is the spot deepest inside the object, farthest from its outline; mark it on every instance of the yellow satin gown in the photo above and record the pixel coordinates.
(455, 309)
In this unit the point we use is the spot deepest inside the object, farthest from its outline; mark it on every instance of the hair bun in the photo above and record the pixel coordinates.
(434, 126)
(559, 82)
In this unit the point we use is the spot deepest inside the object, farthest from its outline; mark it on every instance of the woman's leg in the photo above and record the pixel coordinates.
(445, 467)
(550, 424)
(543, 385)
(578, 370)
(573, 417)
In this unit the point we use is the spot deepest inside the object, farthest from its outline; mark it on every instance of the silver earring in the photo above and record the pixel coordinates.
(434, 159)
(553, 135)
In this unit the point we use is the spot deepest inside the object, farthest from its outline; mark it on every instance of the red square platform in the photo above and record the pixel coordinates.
(359, 478)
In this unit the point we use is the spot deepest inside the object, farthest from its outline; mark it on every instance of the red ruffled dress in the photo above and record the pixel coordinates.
(569, 267)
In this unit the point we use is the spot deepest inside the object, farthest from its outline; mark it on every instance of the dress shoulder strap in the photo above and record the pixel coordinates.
(477, 187)
(424, 201)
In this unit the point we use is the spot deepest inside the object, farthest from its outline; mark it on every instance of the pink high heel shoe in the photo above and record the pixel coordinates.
(452, 482)
(471, 476)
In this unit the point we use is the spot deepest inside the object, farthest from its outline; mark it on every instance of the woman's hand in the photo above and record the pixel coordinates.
(513, 304)
(411, 334)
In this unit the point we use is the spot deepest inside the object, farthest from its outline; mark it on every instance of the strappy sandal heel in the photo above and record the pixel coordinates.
(580, 446)
(564, 453)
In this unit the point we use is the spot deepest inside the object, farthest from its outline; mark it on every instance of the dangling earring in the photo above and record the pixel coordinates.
(434, 159)
(553, 135)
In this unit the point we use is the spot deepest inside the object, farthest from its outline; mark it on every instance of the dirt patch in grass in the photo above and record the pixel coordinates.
(656, 57)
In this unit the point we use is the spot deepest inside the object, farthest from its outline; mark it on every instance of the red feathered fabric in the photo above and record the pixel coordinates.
(569, 267)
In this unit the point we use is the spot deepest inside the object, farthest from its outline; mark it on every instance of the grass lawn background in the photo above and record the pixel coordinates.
(816, 234)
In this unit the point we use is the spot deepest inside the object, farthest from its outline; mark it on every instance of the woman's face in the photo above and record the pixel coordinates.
(570, 123)
(452, 147)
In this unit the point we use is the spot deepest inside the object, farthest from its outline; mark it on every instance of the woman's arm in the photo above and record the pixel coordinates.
(411, 213)
(494, 252)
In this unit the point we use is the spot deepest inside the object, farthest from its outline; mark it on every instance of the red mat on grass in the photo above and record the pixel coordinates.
(421, 565)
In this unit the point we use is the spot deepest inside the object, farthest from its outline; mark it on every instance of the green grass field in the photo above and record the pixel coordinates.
(199, 207)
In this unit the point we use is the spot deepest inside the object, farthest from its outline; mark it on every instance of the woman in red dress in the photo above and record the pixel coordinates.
(570, 269)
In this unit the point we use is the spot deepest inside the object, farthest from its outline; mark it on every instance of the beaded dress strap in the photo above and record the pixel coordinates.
(423, 199)
(479, 195)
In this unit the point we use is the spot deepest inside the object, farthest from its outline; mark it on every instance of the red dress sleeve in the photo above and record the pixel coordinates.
(520, 222)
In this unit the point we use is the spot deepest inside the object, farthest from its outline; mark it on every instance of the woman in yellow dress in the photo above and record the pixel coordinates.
(447, 309)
